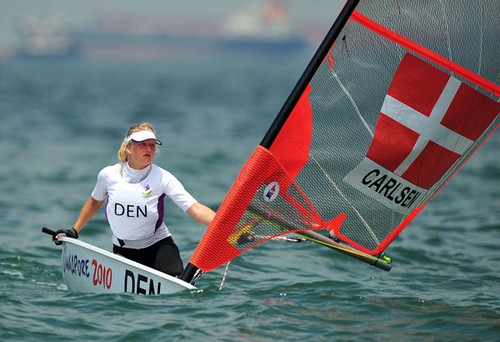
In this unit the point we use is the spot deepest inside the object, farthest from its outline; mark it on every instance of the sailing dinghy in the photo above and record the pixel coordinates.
(396, 99)
(86, 268)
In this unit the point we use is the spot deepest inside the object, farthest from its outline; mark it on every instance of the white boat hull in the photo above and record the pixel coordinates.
(87, 268)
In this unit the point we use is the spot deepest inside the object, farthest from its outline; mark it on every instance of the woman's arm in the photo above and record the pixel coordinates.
(89, 209)
(201, 213)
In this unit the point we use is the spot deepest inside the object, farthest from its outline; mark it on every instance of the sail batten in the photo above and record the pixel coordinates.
(384, 115)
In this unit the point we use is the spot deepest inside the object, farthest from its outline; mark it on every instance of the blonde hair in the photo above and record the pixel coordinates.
(143, 126)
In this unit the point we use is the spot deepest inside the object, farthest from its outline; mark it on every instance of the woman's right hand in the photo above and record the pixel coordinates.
(72, 233)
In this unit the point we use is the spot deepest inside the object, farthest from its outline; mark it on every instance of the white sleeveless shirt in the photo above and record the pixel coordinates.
(135, 206)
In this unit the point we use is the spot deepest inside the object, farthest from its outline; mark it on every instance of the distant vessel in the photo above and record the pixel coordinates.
(45, 38)
(262, 28)
(255, 30)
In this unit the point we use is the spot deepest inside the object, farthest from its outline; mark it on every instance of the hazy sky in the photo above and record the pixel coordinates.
(77, 13)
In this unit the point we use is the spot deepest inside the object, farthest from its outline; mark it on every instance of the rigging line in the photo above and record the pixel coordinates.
(224, 276)
(361, 218)
(351, 99)
(481, 37)
(292, 239)
(446, 24)
(197, 276)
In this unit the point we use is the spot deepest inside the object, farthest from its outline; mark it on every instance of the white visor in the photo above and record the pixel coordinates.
(141, 136)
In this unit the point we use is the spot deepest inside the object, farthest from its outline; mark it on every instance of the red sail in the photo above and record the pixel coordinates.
(399, 99)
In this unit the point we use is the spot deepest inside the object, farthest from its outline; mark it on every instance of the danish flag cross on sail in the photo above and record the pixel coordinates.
(427, 122)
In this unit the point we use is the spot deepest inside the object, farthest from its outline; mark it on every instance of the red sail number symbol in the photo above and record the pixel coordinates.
(428, 120)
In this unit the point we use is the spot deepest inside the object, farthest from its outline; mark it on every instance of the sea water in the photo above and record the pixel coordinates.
(62, 121)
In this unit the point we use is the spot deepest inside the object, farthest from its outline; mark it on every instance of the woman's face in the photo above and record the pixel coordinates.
(141, 154)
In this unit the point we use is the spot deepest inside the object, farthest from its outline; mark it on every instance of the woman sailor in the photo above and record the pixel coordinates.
(135, 189)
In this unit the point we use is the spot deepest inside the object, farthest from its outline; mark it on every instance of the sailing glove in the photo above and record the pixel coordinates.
(72, 233)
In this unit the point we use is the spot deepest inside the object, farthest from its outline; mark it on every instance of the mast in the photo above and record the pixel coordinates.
(190, 271)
